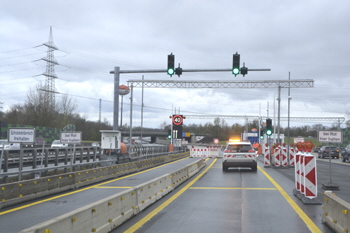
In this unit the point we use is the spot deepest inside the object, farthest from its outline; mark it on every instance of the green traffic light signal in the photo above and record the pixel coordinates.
(236, 64)
(169, 134)
(268, 127)
(171, 64)
(268, 132)
(235, 71)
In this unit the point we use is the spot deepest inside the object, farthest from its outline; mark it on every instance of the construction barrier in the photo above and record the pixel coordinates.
(267, 162)
(297, 171)
(336, 212)
(284, 156)
(302, 170)
(203, 151)
(310, 176)
(291, 156)
(276, 155)
(305, 174)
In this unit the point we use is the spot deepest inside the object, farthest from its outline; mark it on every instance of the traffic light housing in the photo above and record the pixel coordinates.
(269, 127)
(236, 64)
(178, 71)
(244, 71)
(261, 134)
(169, 134)
(171, 64)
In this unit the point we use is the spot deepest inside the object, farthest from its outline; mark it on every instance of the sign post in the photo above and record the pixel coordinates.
(71, 138)
(21, 135)
(325, 136)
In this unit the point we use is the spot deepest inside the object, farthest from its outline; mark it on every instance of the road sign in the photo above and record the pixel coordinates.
(330, 136)
(216, 141)
(71, 137)
(296, 140)
(21, 135)
(177, 119)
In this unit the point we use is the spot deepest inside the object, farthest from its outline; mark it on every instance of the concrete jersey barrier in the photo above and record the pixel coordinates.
(336, 212)
(104, 215)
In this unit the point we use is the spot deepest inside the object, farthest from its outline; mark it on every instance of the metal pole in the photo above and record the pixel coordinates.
(116, 98)
(279, 114)
(42, 155)
(289, 98)
(20, 167)
(330, 163)
(99, 114)
(131, 97)
(142, 110)
(121, 112)
(2, 155)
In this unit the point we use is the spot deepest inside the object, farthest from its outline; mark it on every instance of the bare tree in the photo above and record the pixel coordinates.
(38, 108)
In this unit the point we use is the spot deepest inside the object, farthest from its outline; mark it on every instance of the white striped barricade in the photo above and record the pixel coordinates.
(284, 155)
(277, 155)
(310, 176)
(297, 171)
(205, 151)
(199, 151)
(213, 151)
(193, 152)
(302, 172)
(266, 150)
(291, 156)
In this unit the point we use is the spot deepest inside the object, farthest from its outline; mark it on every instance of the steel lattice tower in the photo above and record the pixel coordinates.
(50, 69)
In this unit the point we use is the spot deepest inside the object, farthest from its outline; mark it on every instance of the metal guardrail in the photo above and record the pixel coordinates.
(38, 161)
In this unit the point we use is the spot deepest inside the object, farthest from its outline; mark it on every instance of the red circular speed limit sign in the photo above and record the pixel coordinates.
(177, 119)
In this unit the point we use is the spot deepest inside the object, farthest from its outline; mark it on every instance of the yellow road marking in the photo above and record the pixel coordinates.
(113, 187)
(233, 188)
(309, 223)
(149, 216)
(80, 190)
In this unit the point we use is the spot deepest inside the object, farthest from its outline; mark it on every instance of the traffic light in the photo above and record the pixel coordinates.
(236, 64)
(171, 64)
(244, 71)
(268, 127)
(261, 134)
(178, 71)
(169, 133)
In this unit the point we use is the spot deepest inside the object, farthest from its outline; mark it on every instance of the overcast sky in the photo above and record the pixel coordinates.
(309, 39)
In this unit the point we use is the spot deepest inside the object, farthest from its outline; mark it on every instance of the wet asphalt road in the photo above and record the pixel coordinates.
(241, 201)
(212, 201)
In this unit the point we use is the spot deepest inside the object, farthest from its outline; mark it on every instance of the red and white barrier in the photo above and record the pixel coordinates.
(277, 154)
(302, 170)
(291, 156)
(266, 149)
(305, 171)
(213, 151)
(284, 156)
(297, 171)
(203, 151)
(310, 176)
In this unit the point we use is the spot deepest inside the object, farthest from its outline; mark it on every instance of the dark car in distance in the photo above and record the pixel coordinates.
(326, 151)
(346, 154)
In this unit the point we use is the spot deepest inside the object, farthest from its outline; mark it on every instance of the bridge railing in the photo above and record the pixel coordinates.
(35, 162)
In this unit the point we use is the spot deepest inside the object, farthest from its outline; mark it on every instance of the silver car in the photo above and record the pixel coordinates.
(239, 154)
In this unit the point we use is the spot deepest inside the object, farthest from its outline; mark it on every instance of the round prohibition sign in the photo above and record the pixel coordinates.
(177, 120)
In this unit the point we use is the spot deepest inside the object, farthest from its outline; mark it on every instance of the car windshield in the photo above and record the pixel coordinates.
(56, 142)
(239, 148)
